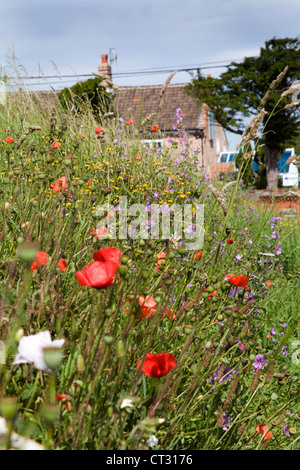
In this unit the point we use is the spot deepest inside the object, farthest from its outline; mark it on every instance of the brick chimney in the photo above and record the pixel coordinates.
(104, 68)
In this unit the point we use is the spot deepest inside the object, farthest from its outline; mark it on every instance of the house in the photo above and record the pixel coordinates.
(142, 102)
(156, 105)
(161, 104)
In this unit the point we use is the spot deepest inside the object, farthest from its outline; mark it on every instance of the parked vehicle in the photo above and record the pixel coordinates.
(288, 174)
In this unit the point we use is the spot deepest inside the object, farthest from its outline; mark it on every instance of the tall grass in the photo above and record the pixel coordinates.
(216, 396)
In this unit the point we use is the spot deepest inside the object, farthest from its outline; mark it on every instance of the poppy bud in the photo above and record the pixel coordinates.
(108, 312)
(52, 357)
(188, 329)
(145, 274)
(9, 407)
(122, 270)
(19, 334)
(27, 252)
(108, 339)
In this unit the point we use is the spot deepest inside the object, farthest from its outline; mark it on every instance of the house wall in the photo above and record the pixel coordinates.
(208, 150)
(213, 147)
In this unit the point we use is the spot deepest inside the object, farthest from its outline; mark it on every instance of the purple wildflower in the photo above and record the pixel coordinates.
(286, 430)
(260, 362)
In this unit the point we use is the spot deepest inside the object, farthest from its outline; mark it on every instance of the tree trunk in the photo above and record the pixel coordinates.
(271, 157)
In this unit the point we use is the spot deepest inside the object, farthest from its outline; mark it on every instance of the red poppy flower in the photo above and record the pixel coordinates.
(55, 145)
(59, 184)
(98, 232)
(41, 258)
(269, 283)
(130, 121)
(157, 365)
(9, 139)
(238, 281)
(82, 136)
(110, 215)
(62, 265)
(64, 397)
(160, 257)
(34, 266)
(101, 273)
(212, 294)
(98, 130)
(154, 128)
(89, 181)
(147, 306)
(197, 255)
(170, 314)
(262, 429)
(230, 241)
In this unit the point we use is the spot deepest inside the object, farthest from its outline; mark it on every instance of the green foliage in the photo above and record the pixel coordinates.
(237, 94)
(251, 179)
(87, 93)
(210, 400)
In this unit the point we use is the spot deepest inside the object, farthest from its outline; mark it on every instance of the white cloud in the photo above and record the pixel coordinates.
(145, 34)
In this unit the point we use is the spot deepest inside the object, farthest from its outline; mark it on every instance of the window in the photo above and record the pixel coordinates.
(224, 157)
(154, 144)
(211, 124)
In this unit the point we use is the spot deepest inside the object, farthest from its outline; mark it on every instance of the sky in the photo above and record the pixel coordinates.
(67, 37)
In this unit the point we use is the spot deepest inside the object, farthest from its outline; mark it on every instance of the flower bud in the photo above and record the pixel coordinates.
(27, 252)
(122, 269)
(19, 334)
(52, 357)
(9, 407)
(108, 339)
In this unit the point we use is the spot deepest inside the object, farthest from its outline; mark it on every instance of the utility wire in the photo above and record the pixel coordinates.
(123, 74)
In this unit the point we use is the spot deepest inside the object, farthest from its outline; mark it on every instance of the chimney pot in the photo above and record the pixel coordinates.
(104, 68)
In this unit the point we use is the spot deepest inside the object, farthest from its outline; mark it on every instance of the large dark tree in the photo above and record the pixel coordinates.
(238, 92)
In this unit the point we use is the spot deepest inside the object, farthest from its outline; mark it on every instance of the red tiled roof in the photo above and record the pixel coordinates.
(139, 102)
